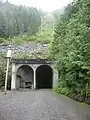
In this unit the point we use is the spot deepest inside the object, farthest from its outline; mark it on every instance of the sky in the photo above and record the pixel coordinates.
(46, 5)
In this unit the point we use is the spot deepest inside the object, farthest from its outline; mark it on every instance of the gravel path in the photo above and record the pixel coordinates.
(40, 105)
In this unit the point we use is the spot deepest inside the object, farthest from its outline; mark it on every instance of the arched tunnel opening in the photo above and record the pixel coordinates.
(44, 77)
(25, 76)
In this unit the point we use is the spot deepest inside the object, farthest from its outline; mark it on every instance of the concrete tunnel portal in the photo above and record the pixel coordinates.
(25, 77)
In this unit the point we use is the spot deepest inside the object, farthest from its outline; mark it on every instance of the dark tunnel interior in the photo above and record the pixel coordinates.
(44, 76)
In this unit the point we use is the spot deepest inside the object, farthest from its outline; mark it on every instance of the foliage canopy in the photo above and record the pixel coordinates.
(18, 20)
(71, 49)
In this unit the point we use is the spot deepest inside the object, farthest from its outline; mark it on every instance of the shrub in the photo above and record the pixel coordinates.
(3, 72)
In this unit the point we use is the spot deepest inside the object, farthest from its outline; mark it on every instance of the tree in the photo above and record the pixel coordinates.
(3, 26)
(71, 49)
(15, 20)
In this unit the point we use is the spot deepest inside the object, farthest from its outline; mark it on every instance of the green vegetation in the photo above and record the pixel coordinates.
(2, 72)
(71, 49)
(43, 36)
(18, 20)
(20, 25)
(33, 55)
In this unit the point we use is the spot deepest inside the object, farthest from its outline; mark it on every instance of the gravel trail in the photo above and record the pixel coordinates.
(41, 105)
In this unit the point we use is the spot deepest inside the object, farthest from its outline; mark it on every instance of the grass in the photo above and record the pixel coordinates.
(28, 55)
(44, 36)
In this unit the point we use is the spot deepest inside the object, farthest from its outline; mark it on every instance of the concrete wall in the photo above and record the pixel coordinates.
(13, 81)
(55, 78)
(16, 68)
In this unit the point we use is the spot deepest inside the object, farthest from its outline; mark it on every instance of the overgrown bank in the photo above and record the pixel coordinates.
(71, 49)
(43, 36)
(3, 73)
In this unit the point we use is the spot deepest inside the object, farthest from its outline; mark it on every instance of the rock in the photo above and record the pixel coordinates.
(33, 47)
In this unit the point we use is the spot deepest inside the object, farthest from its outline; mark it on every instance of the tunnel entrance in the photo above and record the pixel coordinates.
(44, 76)
(25, 76)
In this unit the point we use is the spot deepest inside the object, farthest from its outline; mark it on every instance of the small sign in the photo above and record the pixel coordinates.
(9, 53)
